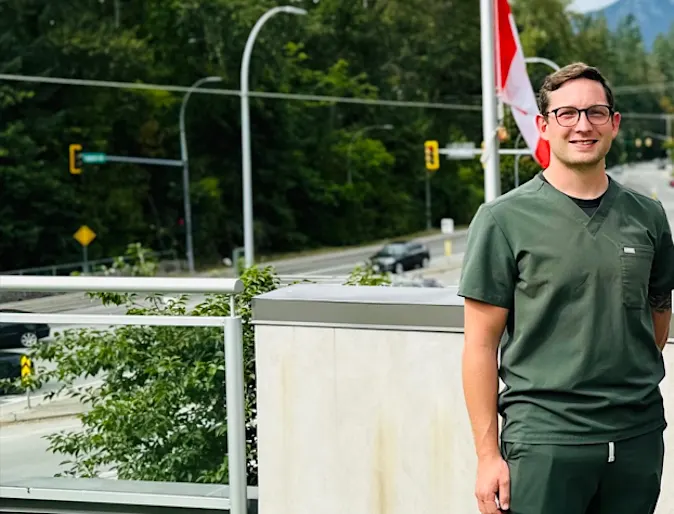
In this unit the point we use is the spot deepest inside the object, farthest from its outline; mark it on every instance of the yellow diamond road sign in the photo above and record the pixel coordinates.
(84, 235)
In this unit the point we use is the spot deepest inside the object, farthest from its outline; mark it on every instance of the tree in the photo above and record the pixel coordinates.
(407, 50)
(159, 413)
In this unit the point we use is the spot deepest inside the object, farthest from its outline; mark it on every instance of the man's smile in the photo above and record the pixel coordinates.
(584, 143)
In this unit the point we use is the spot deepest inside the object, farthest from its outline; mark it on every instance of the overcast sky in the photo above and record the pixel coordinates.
(590, 5)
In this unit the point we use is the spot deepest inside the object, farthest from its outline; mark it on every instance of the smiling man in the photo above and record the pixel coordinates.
(578, 271)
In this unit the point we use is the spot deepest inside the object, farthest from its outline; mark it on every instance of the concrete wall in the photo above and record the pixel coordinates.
(360, 402)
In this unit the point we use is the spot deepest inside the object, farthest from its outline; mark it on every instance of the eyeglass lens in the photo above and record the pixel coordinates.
(597, 115)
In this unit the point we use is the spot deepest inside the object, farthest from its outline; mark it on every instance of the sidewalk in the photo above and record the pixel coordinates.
(448, 271)
(41, 409)
(445, 269)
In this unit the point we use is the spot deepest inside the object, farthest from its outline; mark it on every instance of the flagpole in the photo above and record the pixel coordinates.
(492, 174)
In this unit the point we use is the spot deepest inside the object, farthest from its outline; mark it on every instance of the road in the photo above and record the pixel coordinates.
(342, 263)
(23, 449)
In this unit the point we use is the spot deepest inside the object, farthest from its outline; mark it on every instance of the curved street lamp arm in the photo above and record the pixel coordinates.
(542, 60)
(248, 50)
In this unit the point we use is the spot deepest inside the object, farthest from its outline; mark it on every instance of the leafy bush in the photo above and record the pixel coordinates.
(158, 409)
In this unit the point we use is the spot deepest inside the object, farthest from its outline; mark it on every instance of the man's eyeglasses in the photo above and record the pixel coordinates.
(569, 116)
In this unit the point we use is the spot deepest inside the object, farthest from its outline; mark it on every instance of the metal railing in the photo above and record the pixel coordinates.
(55, 269)
(232, 333)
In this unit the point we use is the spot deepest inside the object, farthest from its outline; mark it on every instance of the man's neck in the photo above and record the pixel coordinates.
(584, 184)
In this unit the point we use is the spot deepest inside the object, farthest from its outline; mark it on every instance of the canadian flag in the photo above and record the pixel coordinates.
(513, 83)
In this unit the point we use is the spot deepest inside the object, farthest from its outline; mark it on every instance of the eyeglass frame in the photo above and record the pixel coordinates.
(611, 112)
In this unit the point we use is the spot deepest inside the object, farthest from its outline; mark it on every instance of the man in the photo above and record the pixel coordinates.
(578, 271)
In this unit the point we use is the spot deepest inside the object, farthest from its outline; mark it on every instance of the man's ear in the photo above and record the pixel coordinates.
(616, 123)
(542, 126)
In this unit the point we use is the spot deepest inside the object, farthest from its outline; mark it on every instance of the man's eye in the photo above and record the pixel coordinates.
(566, 113)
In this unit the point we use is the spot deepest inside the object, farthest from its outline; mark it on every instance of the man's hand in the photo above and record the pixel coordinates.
(493, 481)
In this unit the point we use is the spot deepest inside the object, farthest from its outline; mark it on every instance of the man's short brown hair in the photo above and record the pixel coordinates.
(577, 70)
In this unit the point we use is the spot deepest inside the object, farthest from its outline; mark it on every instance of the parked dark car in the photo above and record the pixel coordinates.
(13, 335)
(401, 256)
(10, 368)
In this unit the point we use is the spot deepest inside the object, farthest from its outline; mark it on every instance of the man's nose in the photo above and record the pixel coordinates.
(584, 124)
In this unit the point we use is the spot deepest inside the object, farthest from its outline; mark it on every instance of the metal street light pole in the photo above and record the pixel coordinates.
(248, 236)
(360, 132)
(492, 182)
(186, 172)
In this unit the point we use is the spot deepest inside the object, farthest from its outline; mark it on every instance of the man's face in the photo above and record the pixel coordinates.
(579, 142)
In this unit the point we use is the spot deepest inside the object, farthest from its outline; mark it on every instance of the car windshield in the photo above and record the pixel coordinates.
(392, 249)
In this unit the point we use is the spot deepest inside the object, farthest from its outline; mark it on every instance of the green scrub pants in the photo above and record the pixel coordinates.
(615, 478)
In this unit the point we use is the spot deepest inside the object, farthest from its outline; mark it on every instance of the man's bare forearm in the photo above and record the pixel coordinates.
(480, 385)
(661, 311)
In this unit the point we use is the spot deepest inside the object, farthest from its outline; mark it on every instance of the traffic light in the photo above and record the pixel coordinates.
(431, 149)
(75, 159)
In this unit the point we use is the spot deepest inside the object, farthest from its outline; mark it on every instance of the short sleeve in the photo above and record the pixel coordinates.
(489, 270)
(662, 271)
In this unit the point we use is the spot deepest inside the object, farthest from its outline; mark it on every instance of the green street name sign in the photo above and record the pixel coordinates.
(93, 158)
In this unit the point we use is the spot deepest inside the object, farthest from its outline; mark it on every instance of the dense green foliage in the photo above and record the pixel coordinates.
(159, 412)
(302, 151)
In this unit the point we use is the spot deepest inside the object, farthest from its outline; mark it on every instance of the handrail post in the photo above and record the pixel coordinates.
(236, 411)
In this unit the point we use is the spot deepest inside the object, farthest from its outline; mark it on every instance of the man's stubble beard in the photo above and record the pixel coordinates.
(584, 166)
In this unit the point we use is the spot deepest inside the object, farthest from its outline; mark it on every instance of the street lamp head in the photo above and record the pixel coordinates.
(388, 126)
(293, 10)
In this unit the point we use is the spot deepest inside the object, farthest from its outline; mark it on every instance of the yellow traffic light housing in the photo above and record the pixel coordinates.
(432, 152)
(75, 159)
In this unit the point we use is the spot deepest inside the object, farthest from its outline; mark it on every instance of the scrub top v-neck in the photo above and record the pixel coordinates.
(579, 362)
(589, 207)
(593, 222)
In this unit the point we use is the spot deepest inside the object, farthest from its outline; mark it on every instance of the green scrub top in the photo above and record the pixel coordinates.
(579, 360)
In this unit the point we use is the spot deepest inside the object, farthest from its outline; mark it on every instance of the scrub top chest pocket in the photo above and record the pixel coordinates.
(635, 263)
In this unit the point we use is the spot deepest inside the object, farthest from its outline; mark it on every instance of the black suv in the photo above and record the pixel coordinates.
(400, 256)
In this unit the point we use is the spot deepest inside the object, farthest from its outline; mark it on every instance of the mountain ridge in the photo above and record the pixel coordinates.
(653, 17)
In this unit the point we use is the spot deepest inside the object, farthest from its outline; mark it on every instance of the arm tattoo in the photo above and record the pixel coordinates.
(660, 302)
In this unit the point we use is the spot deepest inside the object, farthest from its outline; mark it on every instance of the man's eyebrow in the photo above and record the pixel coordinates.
(550, 109)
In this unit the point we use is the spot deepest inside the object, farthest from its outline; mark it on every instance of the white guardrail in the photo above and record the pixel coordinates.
(232, 334)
